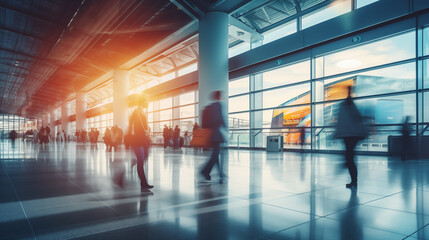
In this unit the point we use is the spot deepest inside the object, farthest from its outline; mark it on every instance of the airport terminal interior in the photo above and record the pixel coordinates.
(214, 119)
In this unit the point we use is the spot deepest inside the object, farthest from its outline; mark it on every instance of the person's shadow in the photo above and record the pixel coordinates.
(351, 224)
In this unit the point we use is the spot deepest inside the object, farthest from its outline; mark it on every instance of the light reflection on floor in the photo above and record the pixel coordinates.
(66, 191)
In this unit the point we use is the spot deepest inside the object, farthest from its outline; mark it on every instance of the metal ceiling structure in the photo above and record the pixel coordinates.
(273, 13)
(50, 49)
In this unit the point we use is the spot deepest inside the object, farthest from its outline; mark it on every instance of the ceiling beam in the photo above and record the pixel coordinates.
(255, 36)
(184, 9)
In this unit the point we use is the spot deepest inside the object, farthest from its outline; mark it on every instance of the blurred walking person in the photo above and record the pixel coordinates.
(351, 129)
(13, 136)
(406, 139)
(302, 138)
(213, 119)
(139, 130)
(176, 137)
(108, 139)
(165, 136)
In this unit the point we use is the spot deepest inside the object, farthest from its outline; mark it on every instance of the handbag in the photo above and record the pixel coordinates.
(136, 140)
(202, 138)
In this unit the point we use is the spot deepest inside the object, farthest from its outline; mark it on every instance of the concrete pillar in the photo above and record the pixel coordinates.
(156, 117)
(65, 114)
(120, 98)
(213, 59)
(176, 111)
(81, 107)
(45, 119)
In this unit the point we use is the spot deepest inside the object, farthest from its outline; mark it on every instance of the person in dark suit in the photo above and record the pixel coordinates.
(351, 129)
(406, 142)
(165, 136)
(176, 137)
(215, 121)
(13, 135)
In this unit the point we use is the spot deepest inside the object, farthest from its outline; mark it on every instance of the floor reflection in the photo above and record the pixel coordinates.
(75, 190)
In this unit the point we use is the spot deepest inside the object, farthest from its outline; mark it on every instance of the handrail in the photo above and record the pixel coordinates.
(260, 130)
(321, 130)
(424, 129)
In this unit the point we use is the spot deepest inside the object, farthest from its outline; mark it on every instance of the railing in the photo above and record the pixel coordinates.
(424, 130)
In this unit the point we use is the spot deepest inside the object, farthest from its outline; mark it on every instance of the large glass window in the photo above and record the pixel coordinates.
(287, 102)
(381, 52)
(335, 9)
(288, 96)
(239, 138)
(362, 3)
(426, 107)
(286, 75)
(166, 103)
(239, 121)
(426, 41)
(238, 86)
(165, 115)
(386, 80)
(280, 32)
(187, 98)
(187, 111)
(237, 104)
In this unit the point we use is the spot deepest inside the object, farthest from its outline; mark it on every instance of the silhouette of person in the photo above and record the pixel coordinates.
(13, 135)
(302, 138)
(140, 129)
(351, 129)
(406, 141)
(215, 122)
(176, 137)
(165, 136)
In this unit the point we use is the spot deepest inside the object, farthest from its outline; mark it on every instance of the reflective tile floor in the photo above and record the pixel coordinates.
(66, 191)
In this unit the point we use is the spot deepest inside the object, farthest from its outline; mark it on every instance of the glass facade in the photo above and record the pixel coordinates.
(101, 122)
(383, 74)
(389, 76)
(180, 110)
(13, 122)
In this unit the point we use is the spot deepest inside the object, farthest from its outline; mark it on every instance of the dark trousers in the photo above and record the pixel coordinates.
(166, 140)
(350, 143)
(141, 154)
(214, 159)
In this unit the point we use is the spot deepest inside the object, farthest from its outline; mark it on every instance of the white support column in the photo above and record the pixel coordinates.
(213, 59)
(176, 111)
(65, 114)
(120, 98)
(45, 119)
(156, 117)
(81, 107)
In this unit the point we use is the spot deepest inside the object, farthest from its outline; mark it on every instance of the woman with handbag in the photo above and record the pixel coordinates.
(138, 131)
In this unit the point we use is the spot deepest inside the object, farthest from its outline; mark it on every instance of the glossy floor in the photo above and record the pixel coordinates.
(66, 191)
